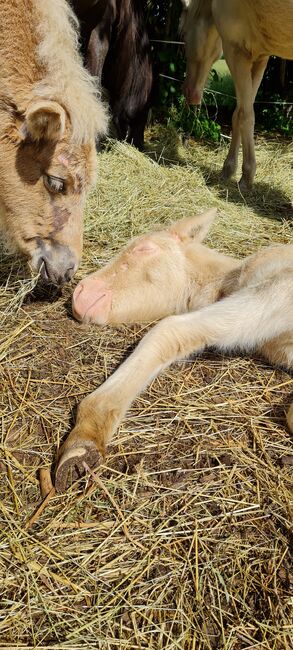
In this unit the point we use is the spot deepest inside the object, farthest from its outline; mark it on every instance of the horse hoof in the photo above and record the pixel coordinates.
(225, 176)
(245, 184)
(227, 172)
(71, 464)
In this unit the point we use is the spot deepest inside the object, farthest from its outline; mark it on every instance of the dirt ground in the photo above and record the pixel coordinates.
(184, 543)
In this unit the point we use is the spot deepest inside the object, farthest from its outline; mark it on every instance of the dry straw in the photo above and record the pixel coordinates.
(182, 540)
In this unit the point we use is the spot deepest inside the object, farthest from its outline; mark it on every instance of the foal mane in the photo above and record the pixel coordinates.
(65, 79)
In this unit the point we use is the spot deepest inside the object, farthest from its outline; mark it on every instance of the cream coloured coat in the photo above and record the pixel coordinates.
(218, 301)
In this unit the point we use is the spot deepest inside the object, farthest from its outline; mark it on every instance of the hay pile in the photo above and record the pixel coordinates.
(184, 542)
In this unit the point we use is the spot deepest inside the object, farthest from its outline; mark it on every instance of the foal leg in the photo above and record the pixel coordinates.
(241, 320)
(247, 76)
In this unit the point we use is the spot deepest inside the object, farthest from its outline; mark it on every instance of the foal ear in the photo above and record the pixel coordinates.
(44, 120)
(194, 227)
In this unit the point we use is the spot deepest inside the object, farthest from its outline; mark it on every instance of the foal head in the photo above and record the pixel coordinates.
(147, 281)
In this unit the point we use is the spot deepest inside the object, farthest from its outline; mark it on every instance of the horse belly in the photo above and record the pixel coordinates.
(258, 27)
(274, 21)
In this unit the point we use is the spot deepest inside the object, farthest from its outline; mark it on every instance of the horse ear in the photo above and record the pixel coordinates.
(195, 228)
(44, 120)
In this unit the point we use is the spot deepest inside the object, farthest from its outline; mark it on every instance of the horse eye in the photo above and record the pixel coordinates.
(54, 184)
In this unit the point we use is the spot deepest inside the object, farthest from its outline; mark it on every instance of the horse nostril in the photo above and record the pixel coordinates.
(42, 267)
(56, 263)
(69, 273)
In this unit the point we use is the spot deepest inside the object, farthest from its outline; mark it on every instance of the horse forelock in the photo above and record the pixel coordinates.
(129, 17)
(130, 27)
(123, 12)
(64, 79)
(193, 10)
(132, 42)
(196, 7)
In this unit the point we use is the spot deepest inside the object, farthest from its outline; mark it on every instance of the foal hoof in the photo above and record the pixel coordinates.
(71, 464)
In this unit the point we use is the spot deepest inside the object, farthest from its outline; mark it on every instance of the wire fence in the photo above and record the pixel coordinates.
(210, 91)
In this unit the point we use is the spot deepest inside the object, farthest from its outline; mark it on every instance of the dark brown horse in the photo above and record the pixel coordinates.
(116, 50)
(49, 120)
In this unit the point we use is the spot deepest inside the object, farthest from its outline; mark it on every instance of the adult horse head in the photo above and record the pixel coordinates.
(49, 119)
(203, 46)
(116, 50)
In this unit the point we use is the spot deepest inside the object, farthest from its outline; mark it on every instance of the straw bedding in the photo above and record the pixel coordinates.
(181, 540)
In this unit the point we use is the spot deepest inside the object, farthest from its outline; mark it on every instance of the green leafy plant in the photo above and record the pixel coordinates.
(219, 98)
(193, 121)
(276, 115)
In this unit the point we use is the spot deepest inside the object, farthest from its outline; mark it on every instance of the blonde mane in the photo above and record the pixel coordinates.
(65, 79)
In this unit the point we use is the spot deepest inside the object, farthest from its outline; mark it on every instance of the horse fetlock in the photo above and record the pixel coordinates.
(248, 173)
(98, 414)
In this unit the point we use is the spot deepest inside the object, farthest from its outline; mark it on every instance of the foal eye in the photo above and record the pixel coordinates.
(54, 184)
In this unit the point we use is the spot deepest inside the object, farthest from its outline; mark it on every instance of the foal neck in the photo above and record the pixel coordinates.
(211, 275)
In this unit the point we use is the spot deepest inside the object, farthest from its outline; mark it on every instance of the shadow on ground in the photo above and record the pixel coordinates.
(165, 147)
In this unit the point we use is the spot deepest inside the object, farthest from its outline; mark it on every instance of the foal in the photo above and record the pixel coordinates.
(234, 304)
(248, 32)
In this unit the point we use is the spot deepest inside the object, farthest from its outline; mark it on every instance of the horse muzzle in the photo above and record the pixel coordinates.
(56, 263)
(193, 95)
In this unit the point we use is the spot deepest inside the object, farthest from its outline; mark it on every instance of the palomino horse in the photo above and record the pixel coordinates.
(116, 50)
(49, 119)
(247, 32)
(245, 304)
